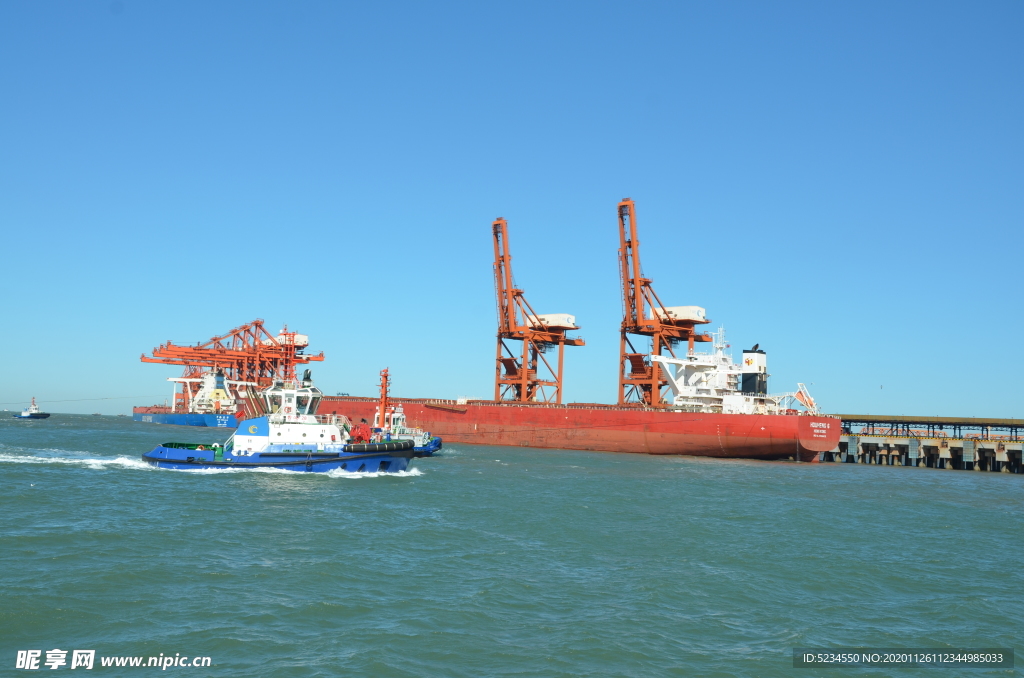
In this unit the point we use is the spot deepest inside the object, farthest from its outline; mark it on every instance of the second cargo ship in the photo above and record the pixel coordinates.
(224, 376)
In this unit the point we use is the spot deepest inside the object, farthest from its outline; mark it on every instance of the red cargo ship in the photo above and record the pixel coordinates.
(700, 404)
(608, 428)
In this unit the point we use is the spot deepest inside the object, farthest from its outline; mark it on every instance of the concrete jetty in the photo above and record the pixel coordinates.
(962, 443)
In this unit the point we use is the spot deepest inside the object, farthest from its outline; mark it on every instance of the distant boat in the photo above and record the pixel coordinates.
(32, 412)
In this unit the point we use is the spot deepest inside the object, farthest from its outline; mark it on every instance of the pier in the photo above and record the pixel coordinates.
(963, 443)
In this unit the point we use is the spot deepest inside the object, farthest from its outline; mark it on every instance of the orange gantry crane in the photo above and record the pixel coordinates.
(640, 381)
(525, 375)
(249, 356)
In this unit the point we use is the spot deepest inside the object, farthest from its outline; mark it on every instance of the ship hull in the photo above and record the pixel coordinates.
(184, 418)
(613, 429)
(183, 457)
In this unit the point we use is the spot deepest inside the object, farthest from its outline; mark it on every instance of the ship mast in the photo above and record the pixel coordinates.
(640, 380)
(385, 401)
(519, 376)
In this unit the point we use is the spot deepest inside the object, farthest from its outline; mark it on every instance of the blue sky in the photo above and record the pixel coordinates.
(839, 182)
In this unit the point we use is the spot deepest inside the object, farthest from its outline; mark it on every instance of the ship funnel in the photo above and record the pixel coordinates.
(755, 371)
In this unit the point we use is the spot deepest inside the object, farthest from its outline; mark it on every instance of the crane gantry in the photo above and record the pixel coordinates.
(525, 375)
(640, 380)
(249, 357)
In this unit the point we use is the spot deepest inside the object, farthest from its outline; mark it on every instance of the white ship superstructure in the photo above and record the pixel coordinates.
(395, 427)
(216, 394)
(714, 383)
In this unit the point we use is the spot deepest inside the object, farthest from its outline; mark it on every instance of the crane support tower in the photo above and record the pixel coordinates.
(640, 380)
(525, 375)
(249, 358)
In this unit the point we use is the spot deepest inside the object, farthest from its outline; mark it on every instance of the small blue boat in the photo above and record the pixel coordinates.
(292, 437)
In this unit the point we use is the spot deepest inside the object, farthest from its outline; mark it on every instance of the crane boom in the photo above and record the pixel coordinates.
(633, 282)
(640, 380)
(247, 354)
(525, 375)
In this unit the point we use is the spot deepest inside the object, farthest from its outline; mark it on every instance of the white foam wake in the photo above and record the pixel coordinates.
(211, 470)
(135, 463)
(87, 462)
(338, 473)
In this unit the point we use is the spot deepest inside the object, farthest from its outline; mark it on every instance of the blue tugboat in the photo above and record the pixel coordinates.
(292, 437)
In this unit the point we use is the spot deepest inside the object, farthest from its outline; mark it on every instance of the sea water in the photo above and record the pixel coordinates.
(493, 561)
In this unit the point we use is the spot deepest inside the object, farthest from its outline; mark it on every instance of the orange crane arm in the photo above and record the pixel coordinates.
(246, 353)
(503, 285)
(526, 375)
(644, 315)
(633, 282)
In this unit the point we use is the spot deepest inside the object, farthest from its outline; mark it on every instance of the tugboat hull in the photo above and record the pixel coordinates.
(382, 458)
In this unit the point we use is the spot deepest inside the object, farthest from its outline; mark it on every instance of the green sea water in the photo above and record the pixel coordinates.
(494, 561)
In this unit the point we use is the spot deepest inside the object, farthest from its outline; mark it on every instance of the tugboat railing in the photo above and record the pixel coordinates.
(193, 446)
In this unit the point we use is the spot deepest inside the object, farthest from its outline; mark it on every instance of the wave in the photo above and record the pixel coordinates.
(88, 462)
(135, 463)
(408, 473)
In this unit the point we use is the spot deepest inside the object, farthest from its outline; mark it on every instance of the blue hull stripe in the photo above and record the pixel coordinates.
(188, 419)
